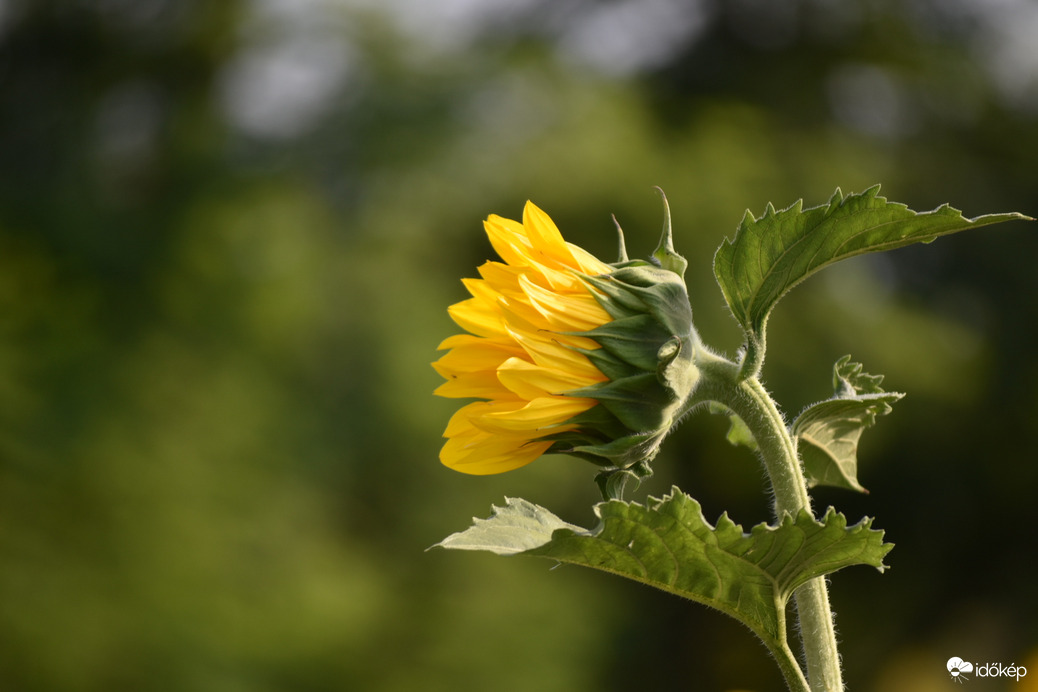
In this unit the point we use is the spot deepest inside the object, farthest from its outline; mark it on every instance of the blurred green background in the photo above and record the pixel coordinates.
(229, 232)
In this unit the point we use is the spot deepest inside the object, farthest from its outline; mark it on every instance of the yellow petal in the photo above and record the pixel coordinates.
(471, 339)
(473, 450)
(544, 235)
(560, 280)
(482, 291)
(508, 225)
(588, 263)
(550, 248)
(480, 314)
(474, 386)
(551, 353)
(536, 327)
(489, 455)
(510, 243)
(505, 277)
(502, 277)
(460, 425)
(537, 418)
(566, 313)
(521, 311)
(529, 381)
(483, 354)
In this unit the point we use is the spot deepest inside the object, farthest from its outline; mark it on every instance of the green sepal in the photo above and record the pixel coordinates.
(599, 437)
(828, 432)
(634, 340)
(641, 288)
(612, 481)
(623, 245)
(624, 452)
(608, 364)
(639, 402)
(613, 296)
(595, 424)
(633, 263)
(668, 544)
(662, 293)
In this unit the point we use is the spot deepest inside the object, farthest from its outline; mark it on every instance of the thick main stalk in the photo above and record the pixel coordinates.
(747, 398)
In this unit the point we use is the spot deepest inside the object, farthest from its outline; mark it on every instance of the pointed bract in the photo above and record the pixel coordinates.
(665, 253)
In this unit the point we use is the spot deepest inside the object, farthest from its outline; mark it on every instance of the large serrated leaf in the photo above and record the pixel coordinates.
(770, 255)
(670, 545)
(828, 432)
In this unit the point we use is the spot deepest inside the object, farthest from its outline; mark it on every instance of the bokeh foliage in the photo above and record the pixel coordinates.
(228, 235)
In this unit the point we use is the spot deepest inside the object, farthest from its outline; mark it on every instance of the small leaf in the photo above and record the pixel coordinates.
(738, 432)
(770, 255)
(669, 545)
(828, 432)
(517, 527)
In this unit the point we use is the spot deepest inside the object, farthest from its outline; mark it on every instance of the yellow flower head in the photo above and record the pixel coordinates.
(552, 333)
(520, 354)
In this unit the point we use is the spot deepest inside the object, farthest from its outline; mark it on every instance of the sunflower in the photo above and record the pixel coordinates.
(524, 355)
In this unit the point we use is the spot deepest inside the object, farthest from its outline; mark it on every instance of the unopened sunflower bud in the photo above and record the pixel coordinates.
(569, 354)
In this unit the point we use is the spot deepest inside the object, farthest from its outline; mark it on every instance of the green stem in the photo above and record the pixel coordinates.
(777, 448)
(819, 636)
(787, 663)
(722, 382)
(753, 358)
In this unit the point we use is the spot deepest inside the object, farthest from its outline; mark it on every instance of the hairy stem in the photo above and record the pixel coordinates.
(747, 398)
(787, 663)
